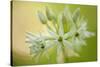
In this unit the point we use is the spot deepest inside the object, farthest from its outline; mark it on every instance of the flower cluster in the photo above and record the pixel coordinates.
(68, 32)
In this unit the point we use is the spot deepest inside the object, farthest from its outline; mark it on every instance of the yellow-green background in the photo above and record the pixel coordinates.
(24, 19)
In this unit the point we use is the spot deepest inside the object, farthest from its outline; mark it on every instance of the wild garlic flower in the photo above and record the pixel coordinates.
(80, 32)
(38, 46)
(61, 36)
(61, 41)
(66, 32)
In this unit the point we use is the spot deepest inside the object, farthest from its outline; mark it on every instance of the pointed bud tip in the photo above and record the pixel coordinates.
(42, 17)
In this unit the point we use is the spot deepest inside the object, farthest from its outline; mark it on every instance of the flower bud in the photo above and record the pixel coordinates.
(42, 17)
(50, 14)
(65, 23)
(76, 15)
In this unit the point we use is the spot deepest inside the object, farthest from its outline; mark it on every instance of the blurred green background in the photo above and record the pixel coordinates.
(25, 19)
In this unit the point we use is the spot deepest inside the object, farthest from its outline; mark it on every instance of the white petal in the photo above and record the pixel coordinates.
(33, 50)
(67, 44)
(77, 41)
(83, 27)
(67, 35)
(88, 34)
(52, 33)
(31, 37)
(49, 44)
(85, 34)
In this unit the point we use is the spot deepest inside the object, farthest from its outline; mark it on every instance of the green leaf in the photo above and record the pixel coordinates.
(42, 17)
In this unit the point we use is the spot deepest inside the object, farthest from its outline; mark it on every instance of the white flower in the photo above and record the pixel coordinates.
(80, 32)
(38, 46)
(61, 39)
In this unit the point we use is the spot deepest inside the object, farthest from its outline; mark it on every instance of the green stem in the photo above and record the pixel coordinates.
(37, 58)
(49, 27)
(60, 53)
(55, 26)
(63, 49)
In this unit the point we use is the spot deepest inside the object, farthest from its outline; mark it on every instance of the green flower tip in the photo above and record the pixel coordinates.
(50, 14)
(42, 17)
(64, 19)
(60, 38)
(42, 47)
(77, 34)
